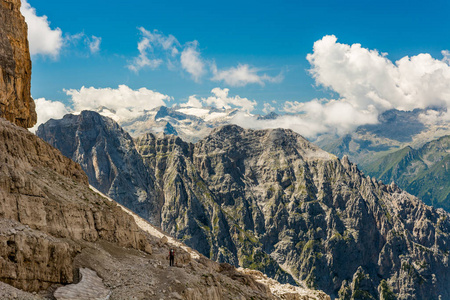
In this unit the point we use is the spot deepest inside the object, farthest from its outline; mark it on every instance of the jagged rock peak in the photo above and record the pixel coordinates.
(268, 139)
(107, 153)
(16, 104)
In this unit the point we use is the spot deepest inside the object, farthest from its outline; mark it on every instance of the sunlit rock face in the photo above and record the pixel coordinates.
(16, 104)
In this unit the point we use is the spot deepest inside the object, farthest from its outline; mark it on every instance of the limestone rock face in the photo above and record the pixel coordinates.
(108, 155)
(30, 259)
(16, 104)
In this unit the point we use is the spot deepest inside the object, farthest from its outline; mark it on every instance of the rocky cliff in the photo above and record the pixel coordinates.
(16, 104)
(108, 156)
(272, 201)
(46, 199)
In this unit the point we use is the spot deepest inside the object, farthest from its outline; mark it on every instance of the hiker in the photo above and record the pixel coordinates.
(171, 256)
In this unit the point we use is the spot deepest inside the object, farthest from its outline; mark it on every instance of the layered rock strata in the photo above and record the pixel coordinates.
(47, 192)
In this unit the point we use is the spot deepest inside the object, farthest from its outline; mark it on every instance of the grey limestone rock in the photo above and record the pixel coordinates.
(108, 156)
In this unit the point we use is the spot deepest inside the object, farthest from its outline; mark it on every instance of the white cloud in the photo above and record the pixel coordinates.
(222, 100)
(89, 45)
(150, 46)
(365, 78)
(43, 40)
(47, 110)
(242, 75)
(191, 61)
(192, 102)
(312, 118)
(122, 103)
(268, 108)
(330, 116)
(433, 117)
(446, 56)
(94, 44)
(156, 49)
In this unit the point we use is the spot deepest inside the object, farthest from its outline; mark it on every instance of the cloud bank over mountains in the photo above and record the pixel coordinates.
(370, 82)
(366, 81)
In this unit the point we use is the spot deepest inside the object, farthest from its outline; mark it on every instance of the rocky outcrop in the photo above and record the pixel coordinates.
(272, 201)
(31, 259)
(267, 198)
(48, 193)
(16, 104)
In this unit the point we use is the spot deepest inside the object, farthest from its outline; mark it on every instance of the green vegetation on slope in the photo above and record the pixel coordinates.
(424, 172)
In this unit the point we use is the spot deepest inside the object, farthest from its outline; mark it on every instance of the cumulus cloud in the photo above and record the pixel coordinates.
(268, 108)
(331, 116)
(312, 118)
(192, 102)
(446, 55)
(242, 75)
(368, 80)
(192, 62)
(120, 104)
(151, 45)
(47, 110)
(43, 40)
(367, 83)
(221, 99)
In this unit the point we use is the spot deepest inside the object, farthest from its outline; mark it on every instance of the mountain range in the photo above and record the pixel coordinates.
(367, 145)
(403, 148)
(270, 200)
(424, 172)
(189, 123)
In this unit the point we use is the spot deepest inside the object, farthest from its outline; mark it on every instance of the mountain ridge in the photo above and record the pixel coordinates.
(269, 199)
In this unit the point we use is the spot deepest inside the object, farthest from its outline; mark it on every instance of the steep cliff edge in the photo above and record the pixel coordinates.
(16, 104)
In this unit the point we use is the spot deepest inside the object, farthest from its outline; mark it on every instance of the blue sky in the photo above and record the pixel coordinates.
(271, 38)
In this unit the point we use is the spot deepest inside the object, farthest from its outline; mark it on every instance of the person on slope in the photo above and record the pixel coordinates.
(171, 256)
